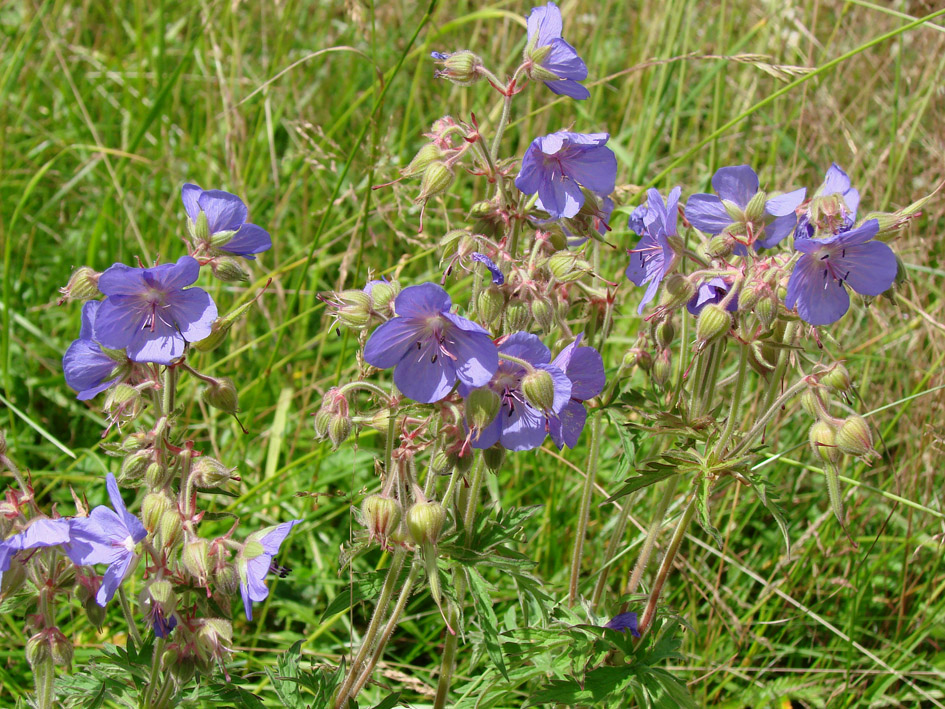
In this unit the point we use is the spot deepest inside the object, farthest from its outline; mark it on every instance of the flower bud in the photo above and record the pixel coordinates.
(463, 68)
(854, 438)
(538, 386)
(153, 508)
(157, 476)
(213, 639)
(133, 467)
(516, 317)
(441, 463)
(437, 179)
(662, 369)
(837, 378)
(13, 579)
(567, 266)
(38, 650)
(482, 406)
(462, 463)
(170, 528)
(134, 442)
(229, 270)
(665, 333)
(823, 440)
(60, 647)
(226, 578)
(425, 521)
(380, 421)
(636, 357)
(383, 294)
(339, 428)
(322, 419)
(677, 290)
(352, 308)
(426, 155)
(494, 457)
(82, 285)
(179, 662)
(543, 314)
(195, 559)
(714, 322)
(814, 403)
(382, 516)
(490, 304)
(124, 399)
(221, 394)
(219, 329)
(720, 245)
(210, 473)
(755, 209)
(765, 310)
(94, 612)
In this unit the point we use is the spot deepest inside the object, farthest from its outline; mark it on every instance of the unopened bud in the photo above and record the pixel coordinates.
(179, 662)
(854, 438)
(720, 245)
(437, 178)
(425, 521)
(382, 516)
(339, 428)
(665, 333)
(82, 285)
(213, 639)
(714, 321)
(38, 650)
(226, 578)
(677, 290)
(352, 308)
(124, 398)
(221, 394)
(463, 68)
(133, 466)
(494, 457)
(755, 209)
(662, 369)
(567, 266)
(93, 611)
(482, 406)
(823, 439)
(814, 403)
(229, 270)
(220, 327)
(426, 155)
(538, 386)
(322, 419)
(210, 473)
(134, 442)
(153, 508)
(838, 378)
(490, 304)
(170, 528)
(195, 560)
(441, 463)
(544, 314)
(766, 310)
(157, 475)
(383, 294)
(516, 317)
(60, 647)
(380, 421)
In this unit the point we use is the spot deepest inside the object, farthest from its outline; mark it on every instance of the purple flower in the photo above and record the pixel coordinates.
(556, 166)
(585, 368)
(88, 370)
(225, 213)
(849, 258)
(498, 278)
(737, 185)
(149, 312)
(624, 622)
(107, 536)
(653, 257)
(547, 49)
(833, 207)
(518, 425)
(430, 347)
(160, 622)
(42, 532)
(711, 291)
(255, 561)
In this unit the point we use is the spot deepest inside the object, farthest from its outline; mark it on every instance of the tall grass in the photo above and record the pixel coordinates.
(106, 109)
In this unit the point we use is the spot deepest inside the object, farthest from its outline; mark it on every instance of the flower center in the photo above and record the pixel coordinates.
(833, 269)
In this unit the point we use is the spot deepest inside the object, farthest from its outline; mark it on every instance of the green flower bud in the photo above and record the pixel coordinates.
(322, 420)
(494, 457)
(382, 516)
(543, 314)
(179, 662)
(837, 377)
(823, 441)
(220, 327)
(200, 229)
(755, 209)
(123, 397)
(462, 463)
(213, 640)
(516, 317)
(162, 593)
(814, 403)
(637, 358)
(196, 561)
(482, 210)
(736, 213)
(226, 578)
(82, 285)
(765, 310)
(153, 508)
(482, 406)
(383, 295)
(171, 528)
(463, 68)
(221, 394)
(567, 266)
(426, 155)
(720, 245)
(13, 579)
(229, 269)
(437, 179)
(60, 647)
(157, 476)
(441, 462)
(209, 472)
(380, 421)
(854, 438)
(93, 611)
(352, 308)
(425, 521)
(538, 386)
(714, 322)
(134, 442)
(133, 466)
(677, 290)
(490, 304)
(665, 333)
(662, 369)
(339, 428)
(38, 650)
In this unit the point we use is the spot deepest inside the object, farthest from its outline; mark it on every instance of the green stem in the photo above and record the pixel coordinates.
(736, 401)
(152, 690)
(380, 611)
(169, 395)
(760, 424)
(789, 331)
(585, 509)
(666, 565)
(45, 674)
(652, 533)
(129, 617)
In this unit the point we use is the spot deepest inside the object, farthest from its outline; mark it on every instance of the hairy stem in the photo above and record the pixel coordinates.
(652, 533)
(129, 616)
(736, 400)
(667, 564)
(584, 511)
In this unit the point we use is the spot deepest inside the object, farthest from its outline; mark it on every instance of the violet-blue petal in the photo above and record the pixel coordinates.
(706, 213)
(192, 311)
(836, 181)
(225, 211)
(522, 429)
(562, 386)
(819, 300)
(498, 278)
(586, 372)
(422, 301)
(786, 204)
(563, 60)
(527, 346)
(544, 24)
(114, 575)
(425, 375)
(737, 184)
(477, 357)
(870, 268)
(250, 239)
(173, 276)
(272, 537)
(131, 523)
(565, 428)
(163, 345)
(42, 532)
(560, 197)
(595, 169)
(624, 622)
(87, 369)
(569, 88)
(120, 279)
(190, 194)
(115, 325)
(775, 232)
(390, 342)
(89, 310)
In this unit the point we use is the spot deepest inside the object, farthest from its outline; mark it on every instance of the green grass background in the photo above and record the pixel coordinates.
(107, 108)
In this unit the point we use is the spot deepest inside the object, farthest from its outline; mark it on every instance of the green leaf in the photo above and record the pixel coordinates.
(285, 679)
(702, 500)
(488, 622)
(641, 481)
(770, 499)
(389, 702)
